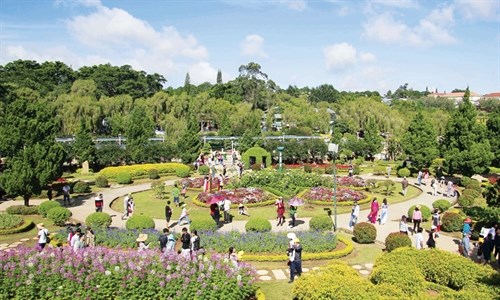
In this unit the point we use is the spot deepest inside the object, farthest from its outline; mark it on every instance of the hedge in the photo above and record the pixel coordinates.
(142, 170)
(442, 205)
(451, 222)
(397, 240)
(258, 153)
(22, 210)
(59, 215)
(101, 181)
(27, 225)
(205, 223)
(81, 187)
(426, 212)
(404, 172)
(153, 174)
(364, 233)
(98, 220)
(321, 223)
(248, 205)
(258, 224)
(204, 170)
(45, 206)
(124, 178)
(468, 197)
(140, 222)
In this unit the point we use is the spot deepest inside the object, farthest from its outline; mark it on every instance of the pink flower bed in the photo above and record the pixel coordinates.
(326, 194)
(236, 196)
(197, 183)
(351, 181)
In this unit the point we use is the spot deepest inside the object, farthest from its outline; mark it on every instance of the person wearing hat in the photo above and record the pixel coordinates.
(295, 257)
(466, 232)
(126, 206)
(184, 218)
(43, 236)
(141, 242)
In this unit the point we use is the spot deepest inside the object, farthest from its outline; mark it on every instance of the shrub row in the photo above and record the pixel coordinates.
(8, 221)
(260, 204)
(341, 203)
(22, 210)
(321, 223)
(142, 170)
(27, 225)
(45, 206)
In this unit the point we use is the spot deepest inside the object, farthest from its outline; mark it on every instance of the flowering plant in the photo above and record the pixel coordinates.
(197, 183)
(326, 194)
(351, 181)
(236, 196)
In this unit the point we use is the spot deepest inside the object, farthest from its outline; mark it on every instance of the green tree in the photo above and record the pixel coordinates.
(492, 194)
(372, 141)
(219, 76)
(465, 147)
(420, 142)
(493, 125)
(138, 131)
(189, 144)
(84, 147)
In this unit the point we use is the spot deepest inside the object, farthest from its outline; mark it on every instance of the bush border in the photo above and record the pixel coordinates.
(25, 226)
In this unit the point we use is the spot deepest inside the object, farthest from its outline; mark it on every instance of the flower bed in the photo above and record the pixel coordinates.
(326, 194)
(236, 196)
(117, 238)
(197, 183)
(351, 181)
(100, 273)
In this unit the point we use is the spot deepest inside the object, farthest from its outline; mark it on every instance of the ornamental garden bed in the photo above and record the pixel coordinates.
(250, 197)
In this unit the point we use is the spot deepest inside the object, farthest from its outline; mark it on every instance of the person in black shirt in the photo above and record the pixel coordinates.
(186, 242)
(163, 239)
(168, 212)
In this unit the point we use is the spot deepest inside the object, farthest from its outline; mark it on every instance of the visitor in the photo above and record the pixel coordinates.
(163, 240)
(125, 206)
(75, 238)
(70, 235)
(184, 218)
(221, 182)
(416, 218)
(434, 186)
(388, 169)
(240, 169)
(206, 184)
(49, 192)
(43, 236)
(295, 257)
(195, 241)
(466, 232)
(431, 241)
(227, 208)
(404, 186)
(89, 237)
(168, 213)
(233, 258)
(351, 170)
(384, 211)
(186, 243)
(66, 195)
(99, 203)
(403, 226)
(242, 210)
(130, 206)
(184, 190)
(419, 177)
(171, 241)
(479, 252)
(372, 217)
(436, 221)
(354, 214)
(426, 177)
(497, 245)
(215, 213)
(442, 185)
(79, 241)
(488, 246)
(419, 239)
(235, 157)
(175, 195)
(293, 216)
(280, 210)
(141, 242)
(224, 171)
(449, 189)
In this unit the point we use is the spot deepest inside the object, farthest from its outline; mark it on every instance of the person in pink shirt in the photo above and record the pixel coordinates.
(372, 217)
(416, 218)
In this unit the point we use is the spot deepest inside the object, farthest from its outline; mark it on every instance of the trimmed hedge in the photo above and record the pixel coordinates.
(140, 222)
(183, 173)
(468, 197)
(124, 178)
(258, 153)
(426, 212)
(45, 206)
(153, 174)
(22, 210)
(142, 170)
(27, 225)
(258, 224)
(98, 220)
(81, 187)
(201, 224)
(397, 240)
(442, 205)
(321, 223)
(404, 172)
(59, 215)
(364, 233)
(8, 221)
(101, 181)
(451, 222)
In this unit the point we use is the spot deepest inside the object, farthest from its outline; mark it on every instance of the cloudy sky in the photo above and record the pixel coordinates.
(353, 45)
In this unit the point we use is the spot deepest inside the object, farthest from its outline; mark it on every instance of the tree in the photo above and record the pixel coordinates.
(84, 147)
(492, 194)
(420, 142)
(189, 144)
(493, 125)
(465, 147)
(219, 77)
(372, 141)
(138, 131)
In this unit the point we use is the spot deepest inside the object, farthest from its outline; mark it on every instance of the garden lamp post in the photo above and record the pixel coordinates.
(334, 149)
(280, 160)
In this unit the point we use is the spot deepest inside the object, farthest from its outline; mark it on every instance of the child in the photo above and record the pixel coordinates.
(184, 190)
(168, 212)
(480, 252)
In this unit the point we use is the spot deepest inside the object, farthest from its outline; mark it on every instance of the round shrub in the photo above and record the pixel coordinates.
(464, 181)
(98, 220)
(182, 173)
(397, 240)
(426, 212)
(22, 210)
(474, 185)
(124, 178)
(365, 233)
(442, 205)
(59, 215)
(153, 174)
(45, 206)
(307, 168)
(8, 221)
(81, 187)
(203, 170)
(451, 222)
(468, 197)
(404, 172)
(101, 181)
(140, 222)
(203, 224)
(321, 223)
(258, 224)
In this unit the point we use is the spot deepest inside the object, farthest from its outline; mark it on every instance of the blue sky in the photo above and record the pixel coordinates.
(353, 45)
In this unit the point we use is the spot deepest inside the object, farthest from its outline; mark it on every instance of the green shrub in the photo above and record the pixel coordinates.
(404, 172)
(59, 215)
(488, 215)
(101, 181)
(468, 197)
(258, 224)
(140, 222)
(182, 173)
(321, 223)
(426, 212)
(397, 240)
(451, 222)
(8, 221)
(45, 206)
(204, 170)
(364, 233)
(464, 181)
(98, 220)
(256, 152)
(474, 185)
(142, 169)
(22, 210)
(307, 168)
(124, 178)
(202, 224)
(442, 205)
(81, 187)
(356, 170)
(153, 174)
(26, 225)
(379, 170)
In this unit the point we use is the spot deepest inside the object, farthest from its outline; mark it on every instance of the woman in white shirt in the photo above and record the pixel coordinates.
(43, 234)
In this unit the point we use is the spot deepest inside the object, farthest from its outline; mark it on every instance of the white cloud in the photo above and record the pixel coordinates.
(339, 56)
(479, 9)
(298, 5)
(344, 11)
(367, 57)
(201, 72)
(396, 3)
(253, 45)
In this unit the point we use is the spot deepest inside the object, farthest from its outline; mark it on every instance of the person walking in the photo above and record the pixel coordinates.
(372, 217)
(384, 211)
(184, 218)
(66, 195)
(416, 218)
(488, 246)
(221, 182)
(295, 257)
(163, 240)
(466, 232)
(354, 214)
(175, 195)
(195, 241)
(434, 186)
(125, 206)
(130, 206)
(403, 226)
(293, 215)
(388, 169)
(215, 213)
(431, 241)
(419, 177)
(442, 185)
(436, 221)
(404, 186)
(43, 236)
(227, 208)
(280, 209)
(99, 203)
(419, 239)
(171, 241)
(449, 189)
(49, 192)
(168, 213)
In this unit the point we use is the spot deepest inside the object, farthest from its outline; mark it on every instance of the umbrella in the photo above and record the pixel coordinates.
(296, 201)
(216, 198)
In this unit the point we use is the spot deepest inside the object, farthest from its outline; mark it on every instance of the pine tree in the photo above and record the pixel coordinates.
(219, 77)
(189, 144)
(420, 142)
(372, 141)
(138, 131)
(84, 147)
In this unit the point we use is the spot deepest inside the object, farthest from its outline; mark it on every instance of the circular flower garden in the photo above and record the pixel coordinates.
(322, 194)
(236, 196)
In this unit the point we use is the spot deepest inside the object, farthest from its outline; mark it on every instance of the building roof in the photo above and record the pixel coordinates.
(453, 95)
(492, 95)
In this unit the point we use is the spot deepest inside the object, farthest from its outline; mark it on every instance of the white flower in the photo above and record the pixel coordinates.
(52, 254)
(60, 287)
(117, 268)
(28, 282)
(107, 272)
(30, 276)
(30, 264)
(153, 272)
(238, 278)
(97, 286)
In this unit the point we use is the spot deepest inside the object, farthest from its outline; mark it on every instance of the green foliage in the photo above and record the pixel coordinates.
(404, 172)
(101, 181)
(468, 197)
(451, 222)
(474, 185)
(83, 147)
(189, 144)
(159, 188)
(492, 194)
(140, 222)
(321, 223)
(203, 224)
(379, 170)
(22, 210)
(493, 126)
(45, 206)
(388, 186)
(426, 212)
(204, 170)
(485, 215)
(465, 180)
(372, 141)
(256, 152)
(59, 215)
(307, 168)
(98, 220)
(138, 130)
(372, 184)
(182, 173)
(364, 233)
(257, 224)
(420, 142)
(442, 205)
(142, 170)
(8, 221)
(397, 240)
(81, 187)
(153, 174)
(124, 178)
(24, 226)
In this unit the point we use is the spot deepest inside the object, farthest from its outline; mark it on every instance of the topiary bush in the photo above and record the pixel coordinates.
(59, 215)
(182, 173)
(364, 233)
(124, 178)
(98, 220)
(8, 221)
(258, 225)
(307, 168)
(321, 223)
(81, 187)
(140, 222)
(203, 170)
(153, 174)
(404, 172)
(464, 181)
(397, 240)
(22, 210)
(468, 197)
(451, 222)
(442, 205)
(202, 224)
(101, 181)
(474, 185)
(45, 206)
(426, 212)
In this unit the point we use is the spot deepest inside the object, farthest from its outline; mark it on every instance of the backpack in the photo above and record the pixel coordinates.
(47, 237)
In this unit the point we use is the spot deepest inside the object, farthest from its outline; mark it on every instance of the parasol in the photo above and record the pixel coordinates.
(216, 198)
(296, 202)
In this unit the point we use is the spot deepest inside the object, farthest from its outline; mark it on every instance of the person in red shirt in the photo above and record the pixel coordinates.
(99, 203)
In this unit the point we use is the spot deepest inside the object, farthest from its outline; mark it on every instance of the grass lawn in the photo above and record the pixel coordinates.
(11, 238)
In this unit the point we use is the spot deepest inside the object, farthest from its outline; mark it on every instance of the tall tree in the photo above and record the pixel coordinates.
(84, 147)
(465, 147)
(372, 141)
(420, 142)
(219, 77)
(139, 129)
(493, 125)
(189, 144)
